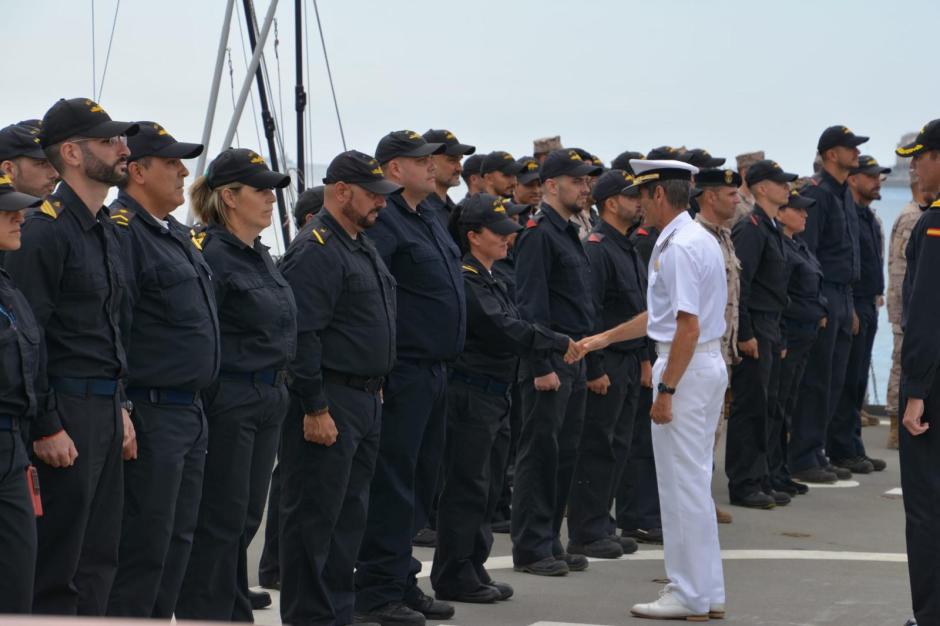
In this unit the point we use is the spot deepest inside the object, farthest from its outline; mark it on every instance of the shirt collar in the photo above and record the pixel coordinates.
(339, 232)
(469, 259)
(552, 216)
(678, 222)
(217, 230)
(77, 206)
(827, 179)
(609, 231)
(131, 203)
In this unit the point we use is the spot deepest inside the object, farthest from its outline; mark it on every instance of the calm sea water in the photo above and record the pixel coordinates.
(892, 201)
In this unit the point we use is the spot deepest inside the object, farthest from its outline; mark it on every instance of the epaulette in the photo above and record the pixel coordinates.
(321, 234)
(642, 232)
(935, 205)
(534, 220)
(51, 208)
(197, 235)
(123, 217)
(470, 268)
(596, 237)
(754, 219)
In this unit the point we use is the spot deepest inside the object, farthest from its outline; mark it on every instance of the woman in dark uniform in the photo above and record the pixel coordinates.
(244, 409)
(478, 406)
(19, 368)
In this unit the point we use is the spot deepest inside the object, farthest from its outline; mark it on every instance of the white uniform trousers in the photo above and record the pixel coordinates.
(684, 451)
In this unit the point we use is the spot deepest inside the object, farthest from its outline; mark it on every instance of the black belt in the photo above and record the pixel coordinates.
(484, 383)
(84, 386)
(370, 384)
(275, 378)
(175, 397)
(9, 423)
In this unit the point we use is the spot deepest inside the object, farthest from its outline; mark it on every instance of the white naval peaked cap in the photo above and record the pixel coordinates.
(655, 170)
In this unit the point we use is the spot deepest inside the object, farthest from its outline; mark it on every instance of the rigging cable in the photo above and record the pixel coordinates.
(94, 68)
(329, 74)
(231, 79)
(107, 57)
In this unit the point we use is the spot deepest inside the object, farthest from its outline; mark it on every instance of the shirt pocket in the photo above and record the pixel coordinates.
(181, 293)
(571, 269)
(427, 270)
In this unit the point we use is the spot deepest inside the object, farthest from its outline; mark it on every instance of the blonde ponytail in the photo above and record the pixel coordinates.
(207, 204)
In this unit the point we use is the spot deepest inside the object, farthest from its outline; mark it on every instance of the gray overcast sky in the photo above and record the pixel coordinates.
(726, 75)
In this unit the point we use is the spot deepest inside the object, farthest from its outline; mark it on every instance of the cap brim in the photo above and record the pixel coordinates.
(783, 177)
(513, 208)
(527, 177)
(875, 170)
(584, 169)
(423, 151)
(382, 187)
(178, 150)
(16, 201)
(459, 149)
(267, 180)
(857, 141)
(715, 162)
(800, 202)
(504, 227)
(111, 129)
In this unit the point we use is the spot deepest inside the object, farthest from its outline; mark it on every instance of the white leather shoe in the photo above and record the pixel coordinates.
(716, 611)
(667, 607)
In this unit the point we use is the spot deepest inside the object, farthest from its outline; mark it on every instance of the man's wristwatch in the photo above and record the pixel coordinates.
(662, 388)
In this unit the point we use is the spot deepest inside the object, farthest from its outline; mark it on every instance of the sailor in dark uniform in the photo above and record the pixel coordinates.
(447, 171)
(19, 398)
(920, 385)
(244, 409)
(69, 268)
(172, 334)
(346, 346)
(478, 406)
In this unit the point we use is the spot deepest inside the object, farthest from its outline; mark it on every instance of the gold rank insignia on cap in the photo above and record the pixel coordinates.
(159, 129)
(413, 135)
(507, 157)
(645, 178)
(531, 166)
(499, 205)
(93, 107)
(5, 180)
(729, 176)
(449, 135)
(574, 156)
(255, 158)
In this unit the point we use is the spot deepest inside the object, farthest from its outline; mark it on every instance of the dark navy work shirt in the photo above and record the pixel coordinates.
(69, 268)
(552, 278)
(443, 209)
(20, 353)
(807, 304)
(871, 249)
(496, 333)
(346, 308)
(172, 334)
(920, 351)
(257, 313)
(832, 229)
(758, 244)
(425, 261)
(618, 289)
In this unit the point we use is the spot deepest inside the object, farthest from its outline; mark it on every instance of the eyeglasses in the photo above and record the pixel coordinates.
(111, 141)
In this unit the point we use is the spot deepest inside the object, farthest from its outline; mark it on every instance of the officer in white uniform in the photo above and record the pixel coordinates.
(686, 300)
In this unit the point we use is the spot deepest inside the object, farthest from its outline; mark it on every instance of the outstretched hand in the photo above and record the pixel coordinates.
(590, 344)
(574, 353)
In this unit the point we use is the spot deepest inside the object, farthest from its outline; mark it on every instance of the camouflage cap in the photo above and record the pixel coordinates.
(748, 159)
(546, 144)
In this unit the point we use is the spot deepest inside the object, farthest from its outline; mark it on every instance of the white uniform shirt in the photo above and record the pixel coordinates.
(686, 273)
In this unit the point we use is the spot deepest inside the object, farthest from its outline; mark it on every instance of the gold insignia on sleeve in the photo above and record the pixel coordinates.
(197, 238)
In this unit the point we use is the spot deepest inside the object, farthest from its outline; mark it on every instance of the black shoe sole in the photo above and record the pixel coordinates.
(469, 599)
(581, 551)
(525, 569)
(762, 507)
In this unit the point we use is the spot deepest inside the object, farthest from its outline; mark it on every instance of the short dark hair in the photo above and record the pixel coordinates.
(144, 162)
(55, 156)
(677, 192)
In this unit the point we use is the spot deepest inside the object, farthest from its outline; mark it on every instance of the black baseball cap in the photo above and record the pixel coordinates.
(452, 147)
(405, 143)
(309, 202)
(13, 200)
(500, 161)
(530, 170)
(700, 158)
(663, 153)
(839, 136)
(567, 162)
(867, 164)
(358, 168)
(241, 165)
(611, 183)
(489, 211)
(587, 157)
(797, 201)
(18, 140)
(927, 139)
(622, 161)
(471, 166)
(717, 178)
(80, 117)
(768, 170)
(152, 139)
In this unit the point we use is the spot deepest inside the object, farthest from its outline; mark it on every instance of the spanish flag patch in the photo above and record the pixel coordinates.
(933, 232)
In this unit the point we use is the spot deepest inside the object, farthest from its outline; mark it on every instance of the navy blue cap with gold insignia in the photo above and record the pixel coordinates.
(622, 161)
(701, 158)
(500, 161)
(796, 201)
(358, 168)
(530, 170)
(80, 117)
(152, 139)
(309, 202)
(452, 147)
(13, 200)
(717, 178)
(405, 143)
(867, 164)
(471, 165)
(768, 169)
(241, 165)
(567, 162)
(490, 212)
(663, 153)
(839, 136)
(18, 140)
(612, 183)
(927, 139)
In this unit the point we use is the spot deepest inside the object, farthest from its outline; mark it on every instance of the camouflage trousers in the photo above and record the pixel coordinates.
(894, 380)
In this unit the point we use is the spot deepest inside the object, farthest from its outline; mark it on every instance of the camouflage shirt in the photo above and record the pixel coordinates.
(897, 262)
(729, 341)
(744, 207)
